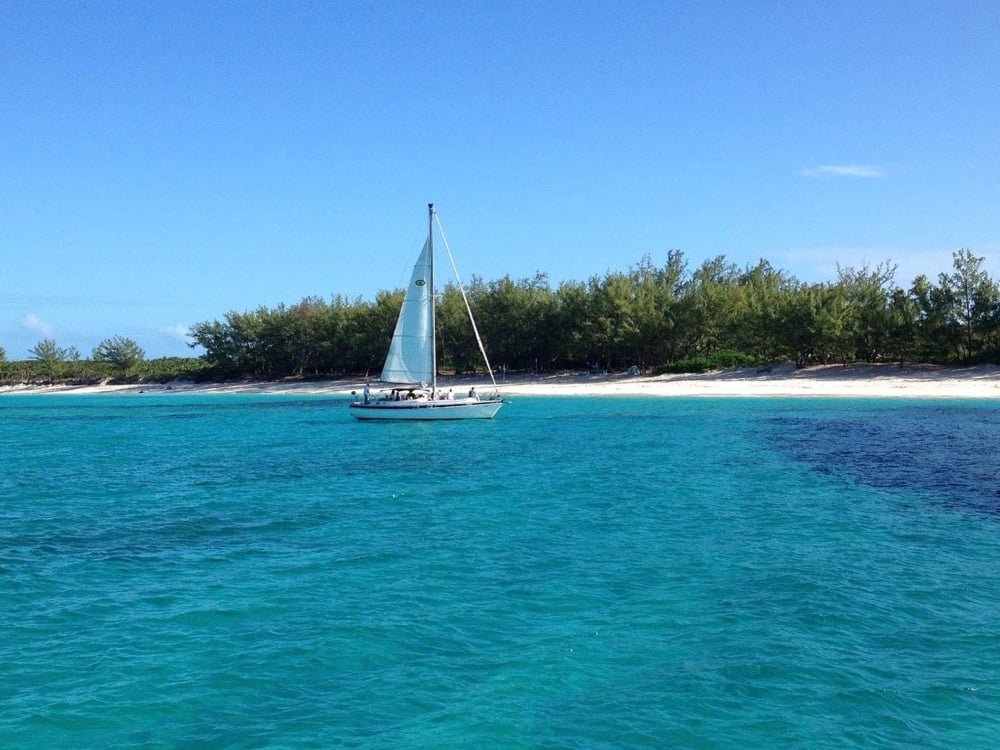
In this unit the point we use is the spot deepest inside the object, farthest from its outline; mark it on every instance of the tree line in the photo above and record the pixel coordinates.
(655, 317)
(658, 318)
(117, 359)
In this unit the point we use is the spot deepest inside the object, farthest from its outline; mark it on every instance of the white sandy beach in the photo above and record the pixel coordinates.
(850, 381)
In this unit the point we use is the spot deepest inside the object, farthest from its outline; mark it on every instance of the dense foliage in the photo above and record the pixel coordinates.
(65, 366)
(119, 352)
(656, 318)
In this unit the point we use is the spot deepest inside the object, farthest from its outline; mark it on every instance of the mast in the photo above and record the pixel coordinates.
(430, 244)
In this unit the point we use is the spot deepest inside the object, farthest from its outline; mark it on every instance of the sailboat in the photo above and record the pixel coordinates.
(411, 364)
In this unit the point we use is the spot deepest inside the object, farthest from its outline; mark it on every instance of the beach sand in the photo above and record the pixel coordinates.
(847, 381)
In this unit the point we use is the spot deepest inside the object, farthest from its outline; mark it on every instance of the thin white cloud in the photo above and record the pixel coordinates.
(843, 170)
(33, 323)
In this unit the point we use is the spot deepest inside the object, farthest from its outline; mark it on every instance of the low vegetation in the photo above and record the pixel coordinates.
(52, 364)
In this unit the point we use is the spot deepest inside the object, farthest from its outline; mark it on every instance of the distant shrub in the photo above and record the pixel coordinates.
(720, 360)
(88, 371)
(165, 369)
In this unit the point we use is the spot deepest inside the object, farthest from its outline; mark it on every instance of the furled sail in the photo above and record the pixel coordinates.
(411, 352)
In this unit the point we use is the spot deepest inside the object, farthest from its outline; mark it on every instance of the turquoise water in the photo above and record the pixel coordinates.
(194, 571)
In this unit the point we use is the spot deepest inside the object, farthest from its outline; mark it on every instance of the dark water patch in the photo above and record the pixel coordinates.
(944, 451)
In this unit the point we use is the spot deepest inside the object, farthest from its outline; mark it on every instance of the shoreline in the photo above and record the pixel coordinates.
(827, 381)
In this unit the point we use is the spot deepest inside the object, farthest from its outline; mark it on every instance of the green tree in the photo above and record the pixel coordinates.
(933, 334)
(455, 340)
(799, 316)
(514, 320)
(974, 303)
(656, 292)
(758, 312)
(571, 327)
(707, 313)
(614, 324)
(331, 332)
(867, 293)
(812, 323)
(221, 350)
(74, 366)
(49, 355)
(902, 332)
(121, 352)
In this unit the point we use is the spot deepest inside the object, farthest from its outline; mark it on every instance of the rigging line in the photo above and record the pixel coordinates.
(468, 308)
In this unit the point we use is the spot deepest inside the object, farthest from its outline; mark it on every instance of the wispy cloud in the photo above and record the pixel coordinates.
(33, 323)
(843, 170)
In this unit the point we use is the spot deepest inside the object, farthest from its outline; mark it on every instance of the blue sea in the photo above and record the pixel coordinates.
(183, 571)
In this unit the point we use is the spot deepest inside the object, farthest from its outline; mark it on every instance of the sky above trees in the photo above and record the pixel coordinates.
(164, 164)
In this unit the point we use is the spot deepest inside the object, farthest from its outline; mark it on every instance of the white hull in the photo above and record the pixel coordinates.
(427, 410)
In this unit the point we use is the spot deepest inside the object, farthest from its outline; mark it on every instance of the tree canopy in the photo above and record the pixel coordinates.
(650, 316)
(49, 355)
(121, 352)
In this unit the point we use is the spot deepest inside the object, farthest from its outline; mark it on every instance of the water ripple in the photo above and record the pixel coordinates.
(580, 573)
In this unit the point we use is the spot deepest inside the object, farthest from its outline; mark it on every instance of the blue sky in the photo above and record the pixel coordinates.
(164, 163)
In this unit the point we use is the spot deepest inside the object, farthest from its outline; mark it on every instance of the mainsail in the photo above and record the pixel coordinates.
(411, 352)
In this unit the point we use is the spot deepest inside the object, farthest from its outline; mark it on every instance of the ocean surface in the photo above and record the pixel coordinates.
(188, 571)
